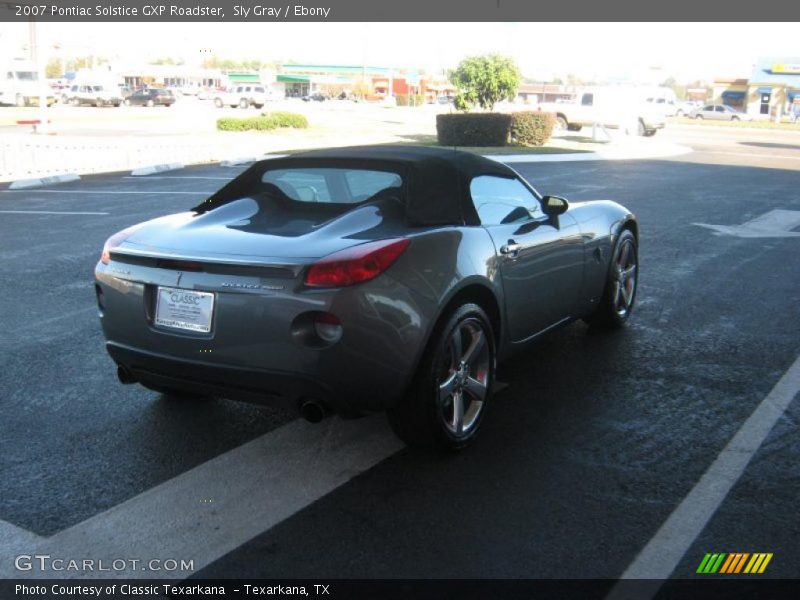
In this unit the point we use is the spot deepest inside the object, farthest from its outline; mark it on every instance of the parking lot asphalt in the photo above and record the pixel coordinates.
(594, 443)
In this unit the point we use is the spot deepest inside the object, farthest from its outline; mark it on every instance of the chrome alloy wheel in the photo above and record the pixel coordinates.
(464, 380)
(625, 278)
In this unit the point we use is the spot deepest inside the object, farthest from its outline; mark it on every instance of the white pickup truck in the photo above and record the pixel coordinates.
(244, 96)
(610, 106)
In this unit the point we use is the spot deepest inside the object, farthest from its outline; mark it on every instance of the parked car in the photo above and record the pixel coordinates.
(94, 95)
(316, 97)
(665, 105)
(243, 96)
(682, 109)
(151, 97)
(719, 112)
(356, 280)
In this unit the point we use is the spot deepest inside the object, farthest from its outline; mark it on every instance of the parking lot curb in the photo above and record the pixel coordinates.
(612, 153)
(156, 169)
(22, 184)
(235, 162)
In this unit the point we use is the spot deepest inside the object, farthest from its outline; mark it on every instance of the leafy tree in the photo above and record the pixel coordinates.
(485, 80)
(680, 90)
(53, 69)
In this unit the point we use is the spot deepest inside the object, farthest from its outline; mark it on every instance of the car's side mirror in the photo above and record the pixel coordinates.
(554, 205)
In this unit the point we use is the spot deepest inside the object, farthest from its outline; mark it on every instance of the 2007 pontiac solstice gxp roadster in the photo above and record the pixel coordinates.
(355, 280)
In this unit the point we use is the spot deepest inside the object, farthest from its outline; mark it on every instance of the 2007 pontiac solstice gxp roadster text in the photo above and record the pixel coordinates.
(355, 280)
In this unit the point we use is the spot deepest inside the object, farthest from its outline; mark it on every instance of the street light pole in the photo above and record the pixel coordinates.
(36, 58)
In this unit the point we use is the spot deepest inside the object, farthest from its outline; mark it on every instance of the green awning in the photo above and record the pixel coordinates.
(244, 77)
(294, 78)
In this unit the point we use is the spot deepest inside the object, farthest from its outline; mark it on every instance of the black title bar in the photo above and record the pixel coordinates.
(396, 11)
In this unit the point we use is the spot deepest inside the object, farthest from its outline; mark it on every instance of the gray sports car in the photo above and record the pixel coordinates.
(358, 280)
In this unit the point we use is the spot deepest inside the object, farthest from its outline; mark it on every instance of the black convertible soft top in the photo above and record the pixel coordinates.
(436, 179)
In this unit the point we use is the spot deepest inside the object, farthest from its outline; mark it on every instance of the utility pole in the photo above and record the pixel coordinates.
(37, 59)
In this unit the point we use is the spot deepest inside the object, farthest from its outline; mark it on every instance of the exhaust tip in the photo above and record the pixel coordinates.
(312, 411)
(124, 375)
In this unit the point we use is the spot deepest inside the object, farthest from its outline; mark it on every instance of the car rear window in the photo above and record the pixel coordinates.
(332, 185)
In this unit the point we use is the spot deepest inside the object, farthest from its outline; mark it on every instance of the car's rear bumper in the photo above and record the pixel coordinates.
(252, 385)
(257, 349)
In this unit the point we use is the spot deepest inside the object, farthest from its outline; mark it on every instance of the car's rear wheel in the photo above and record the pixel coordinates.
(734, 118)
(447, 400)
(619, 294)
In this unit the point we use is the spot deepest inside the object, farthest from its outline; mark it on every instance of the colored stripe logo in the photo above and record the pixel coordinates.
(734, 563)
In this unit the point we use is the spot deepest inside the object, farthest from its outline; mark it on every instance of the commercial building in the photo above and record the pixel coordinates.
(772, 87)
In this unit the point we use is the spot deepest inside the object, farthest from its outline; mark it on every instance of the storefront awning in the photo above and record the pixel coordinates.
(733, 95)
(793, 94)
(294, 78)
(765, 90)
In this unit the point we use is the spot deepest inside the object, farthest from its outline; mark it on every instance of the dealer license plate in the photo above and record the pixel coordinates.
(184, 309)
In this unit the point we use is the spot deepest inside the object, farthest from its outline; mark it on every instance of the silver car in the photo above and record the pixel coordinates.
(360, 280)
(719, 112)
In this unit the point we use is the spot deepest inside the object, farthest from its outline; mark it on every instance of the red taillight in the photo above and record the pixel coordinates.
(114, 241)
(355, 265)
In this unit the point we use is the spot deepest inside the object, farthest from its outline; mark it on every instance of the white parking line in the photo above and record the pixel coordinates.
(211, 510)
(13, 540)
(661, 555)
(103, 192)
(48, 212)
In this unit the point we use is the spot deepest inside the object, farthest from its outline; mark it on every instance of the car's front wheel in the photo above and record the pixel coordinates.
(619, 294)
(447, 401)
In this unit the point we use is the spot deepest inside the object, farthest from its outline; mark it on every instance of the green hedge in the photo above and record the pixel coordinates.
(287, 119)
(409, 100)
(473, 129)
(531, 128)
(264, 122)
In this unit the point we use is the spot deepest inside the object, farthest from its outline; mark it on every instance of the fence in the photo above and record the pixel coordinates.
(33, 156)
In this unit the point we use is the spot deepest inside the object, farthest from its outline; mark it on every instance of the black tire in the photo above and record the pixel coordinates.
(699, 117)
(457, 368)
(259, 106)
(619, 293)
(561, 123)
(573, 127)
(650, 132)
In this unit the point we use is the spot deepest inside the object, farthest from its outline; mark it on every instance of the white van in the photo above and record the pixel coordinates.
(20, 85)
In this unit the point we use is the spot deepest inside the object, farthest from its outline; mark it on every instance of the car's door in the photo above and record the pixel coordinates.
(540, 257)
(708, 111)
(720, 114)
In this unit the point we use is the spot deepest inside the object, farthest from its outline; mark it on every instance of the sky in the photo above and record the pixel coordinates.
(592, 51)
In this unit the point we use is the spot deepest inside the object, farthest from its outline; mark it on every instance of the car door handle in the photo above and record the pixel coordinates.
(510, 249)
